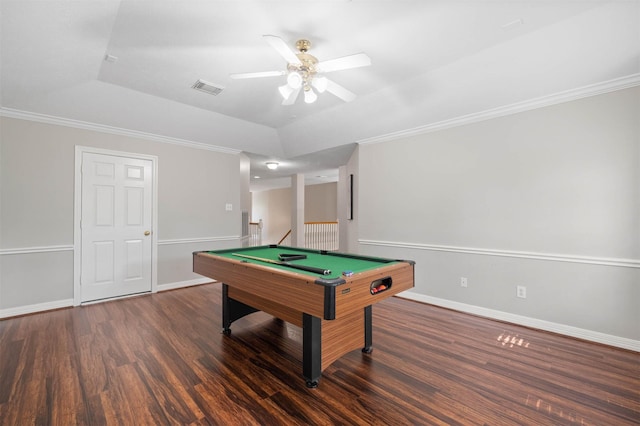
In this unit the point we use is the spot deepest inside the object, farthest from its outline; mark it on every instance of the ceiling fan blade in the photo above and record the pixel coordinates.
(346, 62)
(339, 91)
(257, 74)
(292, 97)
(283, 49)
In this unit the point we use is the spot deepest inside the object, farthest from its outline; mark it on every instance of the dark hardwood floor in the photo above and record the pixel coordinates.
(161, 359)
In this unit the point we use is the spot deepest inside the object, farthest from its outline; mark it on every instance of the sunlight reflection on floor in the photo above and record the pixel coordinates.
(512, 340)
(546, 407)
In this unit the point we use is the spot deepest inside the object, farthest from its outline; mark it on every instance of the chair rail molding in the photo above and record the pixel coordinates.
(32, 250)
(555, 257)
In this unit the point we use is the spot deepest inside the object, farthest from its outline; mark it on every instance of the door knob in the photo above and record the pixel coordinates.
(147, 233)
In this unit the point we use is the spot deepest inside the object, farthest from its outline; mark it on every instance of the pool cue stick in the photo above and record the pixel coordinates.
(287, 264)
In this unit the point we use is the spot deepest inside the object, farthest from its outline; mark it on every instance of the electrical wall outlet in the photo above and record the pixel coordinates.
(521, 292)
(463, 281)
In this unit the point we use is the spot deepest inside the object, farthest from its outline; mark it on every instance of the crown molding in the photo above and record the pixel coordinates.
(543, 101)
(540, 102)
(85, 125)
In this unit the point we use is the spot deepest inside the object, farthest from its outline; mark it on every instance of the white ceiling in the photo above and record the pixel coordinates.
(431, 61)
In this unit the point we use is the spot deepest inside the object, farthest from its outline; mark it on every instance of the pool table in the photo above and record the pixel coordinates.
(328, 294)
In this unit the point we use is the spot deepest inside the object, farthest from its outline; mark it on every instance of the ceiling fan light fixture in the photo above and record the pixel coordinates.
(320, 83)
(285, 91)
(309, 95)
(305, 72)
(272, 165)
(294, 79)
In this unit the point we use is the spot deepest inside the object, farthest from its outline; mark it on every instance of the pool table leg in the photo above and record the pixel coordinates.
(311, 349)
(232, 310)
(368, 330)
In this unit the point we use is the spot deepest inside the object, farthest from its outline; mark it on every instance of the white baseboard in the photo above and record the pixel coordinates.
(181, 284)
(38, 307)
(594, 336)
(66, 303)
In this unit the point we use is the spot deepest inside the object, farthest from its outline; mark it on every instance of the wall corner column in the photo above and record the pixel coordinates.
(343, 207)
(297, 210)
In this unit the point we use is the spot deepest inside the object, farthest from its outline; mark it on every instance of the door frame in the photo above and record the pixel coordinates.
(77, 214)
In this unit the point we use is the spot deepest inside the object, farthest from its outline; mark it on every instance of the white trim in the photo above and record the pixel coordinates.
(198, 240)
(77, 214)
(154, 222)
(580, 333)
(111, 299)
(48, 249)
(182, 284)
(622, 263)
(68, 303)
(49, 119)
(38, 307)
(540, 102)
(32, 250)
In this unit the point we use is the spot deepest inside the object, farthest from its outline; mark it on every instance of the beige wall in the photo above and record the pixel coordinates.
(37, 206)
(351, 226)
(548, 199)
(320, 203)
(274, 208)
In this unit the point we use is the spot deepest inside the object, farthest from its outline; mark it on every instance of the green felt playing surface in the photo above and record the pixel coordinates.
(336, 262)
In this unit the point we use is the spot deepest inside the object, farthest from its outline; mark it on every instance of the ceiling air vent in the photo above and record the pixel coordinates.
(205, 86)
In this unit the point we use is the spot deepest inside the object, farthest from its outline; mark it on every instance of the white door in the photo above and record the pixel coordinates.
(115, 225)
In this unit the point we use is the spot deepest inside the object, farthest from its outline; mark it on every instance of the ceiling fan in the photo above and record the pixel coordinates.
(305, 73)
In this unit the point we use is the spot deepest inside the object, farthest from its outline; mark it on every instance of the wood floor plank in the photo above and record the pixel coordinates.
(161, 359)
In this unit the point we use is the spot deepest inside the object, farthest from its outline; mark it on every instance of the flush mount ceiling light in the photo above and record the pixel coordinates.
(304, 72)
(272, 165)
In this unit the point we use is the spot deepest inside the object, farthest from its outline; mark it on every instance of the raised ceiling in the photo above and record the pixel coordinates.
(131, 65)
